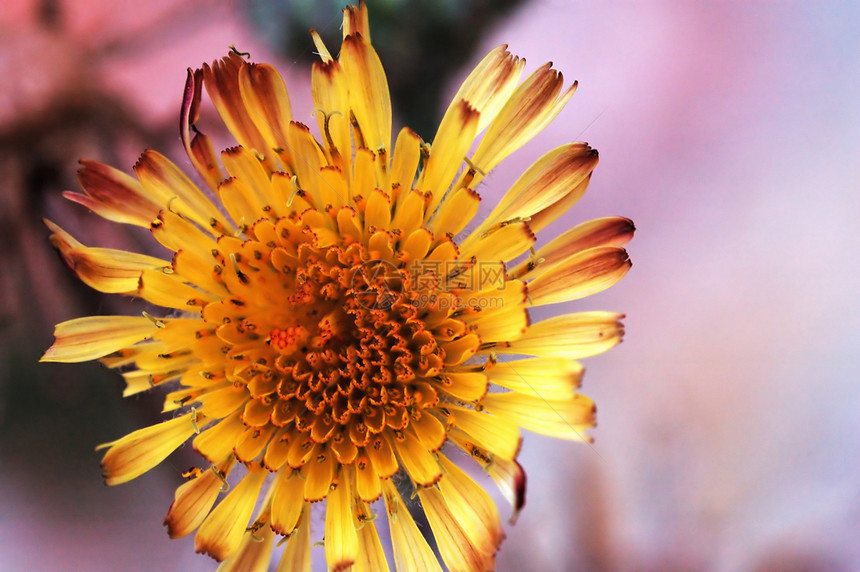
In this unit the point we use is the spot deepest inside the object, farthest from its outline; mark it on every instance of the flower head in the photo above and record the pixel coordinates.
(326, 334)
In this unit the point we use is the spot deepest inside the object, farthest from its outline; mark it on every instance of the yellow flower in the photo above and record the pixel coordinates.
(327, 334)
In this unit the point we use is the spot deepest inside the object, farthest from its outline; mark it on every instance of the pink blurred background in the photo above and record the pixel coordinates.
(729, 132)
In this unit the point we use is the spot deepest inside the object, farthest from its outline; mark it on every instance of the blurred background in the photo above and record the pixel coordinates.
(729, 433)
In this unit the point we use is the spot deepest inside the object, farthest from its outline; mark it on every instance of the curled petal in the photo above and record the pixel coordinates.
(112, 194)
(105, 269)
(199, 148)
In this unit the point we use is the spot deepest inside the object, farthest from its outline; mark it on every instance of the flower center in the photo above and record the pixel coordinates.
(327, 339)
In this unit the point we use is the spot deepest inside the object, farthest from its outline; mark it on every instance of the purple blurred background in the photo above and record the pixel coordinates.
(729, 132)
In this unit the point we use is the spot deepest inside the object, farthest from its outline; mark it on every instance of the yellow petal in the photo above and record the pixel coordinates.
(561, 418)
(404, 163)
(581, 275)
(287, 501)
(511, 480)
(550, 179)
(194, 499)
(333, 188)
(105, 269)
(470, 386)
(237, 199)
(170, 291)
(371, 556)
(331, 100)
(161, 178)
(277, 450)
(92, 337)
(369, 99)
(542, 218)
(382, 456)
(364, 174)
(218, 441)
(301, 450)
(252, 441)
(490, 84)
(221, 81)
(244, 165)
(457, 550)
(222, 402)
(450, 145)
(377, 213)
(471, 507)
(176, 233)
(411, 552)
(199, 271)
(297, 553)
(355, 20)
(455, 213)
(164, 361)
(221, 533)
(254, 552)
(140, 451)
(508, 323)
(367, 483)
(321, 468)
(113, 195)
(341, 540)
(267, 101)
(528, 110)
(309, 158)
(429, 430)
(569, 336)
(508, 474)
(137, 382)
(495, 434)
(180, 333)
(447, 250)
(419, 463)
(609, 231)
(552, 378)
(322, 50)
(410, 214)
(461, 349)
(503, 242)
